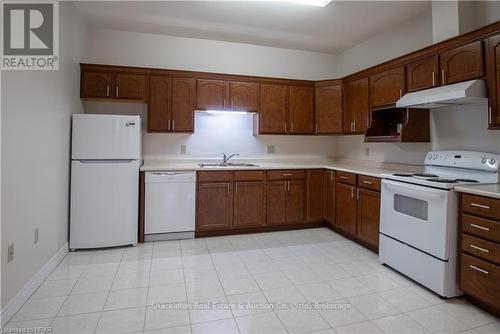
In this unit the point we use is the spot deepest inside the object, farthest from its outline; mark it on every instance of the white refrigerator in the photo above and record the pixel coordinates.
(105, 161)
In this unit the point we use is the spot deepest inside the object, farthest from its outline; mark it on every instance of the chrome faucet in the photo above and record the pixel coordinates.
(225, 158)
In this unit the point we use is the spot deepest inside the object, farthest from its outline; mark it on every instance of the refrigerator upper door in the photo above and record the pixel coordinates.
(104, 204)
(110, 137)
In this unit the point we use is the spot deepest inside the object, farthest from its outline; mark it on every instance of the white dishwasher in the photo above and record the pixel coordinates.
(169, 205)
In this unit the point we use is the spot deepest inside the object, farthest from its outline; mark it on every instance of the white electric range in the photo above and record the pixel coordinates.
(419, 216)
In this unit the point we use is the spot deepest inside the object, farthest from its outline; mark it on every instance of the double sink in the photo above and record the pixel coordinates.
(226, 164)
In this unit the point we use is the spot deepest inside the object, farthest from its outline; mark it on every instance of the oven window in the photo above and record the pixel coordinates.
(411, 206)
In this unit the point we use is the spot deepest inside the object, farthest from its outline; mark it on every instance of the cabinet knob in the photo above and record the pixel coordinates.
(117, 90)
(443, 77)
(433, 78)
(107, 90)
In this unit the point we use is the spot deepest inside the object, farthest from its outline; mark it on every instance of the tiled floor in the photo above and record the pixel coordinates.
(119, 290)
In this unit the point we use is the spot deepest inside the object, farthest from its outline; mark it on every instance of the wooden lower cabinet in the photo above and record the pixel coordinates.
(248, 204)
(276, 202)
(214, 206)
(315, 193)
(294, 202)
(368, 216)
(329, 196)
(345, 196)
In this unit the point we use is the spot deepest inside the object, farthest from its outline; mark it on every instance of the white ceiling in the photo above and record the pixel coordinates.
(334, 28)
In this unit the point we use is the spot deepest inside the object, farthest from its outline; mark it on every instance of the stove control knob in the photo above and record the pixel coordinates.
(492, 161)
(434, 156)
(429, 157)
(483, 161)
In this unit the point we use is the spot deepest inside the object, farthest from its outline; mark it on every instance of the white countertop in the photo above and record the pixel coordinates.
(369, 168)
(487, 190)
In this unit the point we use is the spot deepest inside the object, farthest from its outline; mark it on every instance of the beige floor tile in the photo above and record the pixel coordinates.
(39, 309)
(366, 327)
(85, 303)
(264, 323)
(399, 324)
(226, 326)
(437, 320)
(127, 298)
(373, 306)
(341, 316)
(76, 324)
(161, 318)
(122, 321)
(56, 288)
(302, 321)
(405, 299)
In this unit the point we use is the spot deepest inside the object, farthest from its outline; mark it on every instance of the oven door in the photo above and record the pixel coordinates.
(421, 217)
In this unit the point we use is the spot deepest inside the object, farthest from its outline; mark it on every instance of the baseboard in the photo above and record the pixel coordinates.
(29, 288)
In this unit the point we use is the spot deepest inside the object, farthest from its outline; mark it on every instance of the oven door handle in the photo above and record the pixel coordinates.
(413, 190)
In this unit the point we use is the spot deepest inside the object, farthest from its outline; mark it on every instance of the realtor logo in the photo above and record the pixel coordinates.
(30, 36)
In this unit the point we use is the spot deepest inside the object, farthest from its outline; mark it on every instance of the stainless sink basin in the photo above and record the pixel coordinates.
(228, 164)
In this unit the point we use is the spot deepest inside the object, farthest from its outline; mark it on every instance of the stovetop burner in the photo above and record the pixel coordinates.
(425, 175)
(467, 180)
(402, 174)
(442, 180)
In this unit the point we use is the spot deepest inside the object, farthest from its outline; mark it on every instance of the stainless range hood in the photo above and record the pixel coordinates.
(458, 94)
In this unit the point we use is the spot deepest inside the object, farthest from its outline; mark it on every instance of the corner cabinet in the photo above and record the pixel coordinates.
(493, 66)
(356, 113)
(328, 109)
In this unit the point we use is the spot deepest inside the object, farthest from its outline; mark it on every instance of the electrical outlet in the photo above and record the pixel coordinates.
(10, 253)
(271, 149)
(183, 149)
(36, 236)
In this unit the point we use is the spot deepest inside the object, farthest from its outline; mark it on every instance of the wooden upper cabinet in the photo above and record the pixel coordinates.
(273, 109)
(314, 195)
(493, 66)
(463, 63)
(248, 204)
(211, 94)
(160, 89)
(131, 86)
(183, 105)
(214, 206)
(356, 114)
(387, 87)
(244, 96)
(96, 84)
(329, 109)
(368, 216)
(422, 74)
(301, 110)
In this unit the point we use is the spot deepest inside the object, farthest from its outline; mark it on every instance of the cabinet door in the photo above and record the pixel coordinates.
(387, 87)
(461, 64)
(301, 109)
(368, 216)
(275, 207)
(329, 196)
(96, 85)
(422, 74)
(314, 195)
(131, 86)
(248, 204)
(345, 198)
(214, 206)
(211, 94)
(183, 104)
(329, 110)
(356, 116)
(493, 65)
(295, 198)
(273, 108)
(244, 96)
(159, 104)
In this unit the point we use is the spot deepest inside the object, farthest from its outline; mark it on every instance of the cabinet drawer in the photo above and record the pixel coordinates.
(479, 279)
(481, 248)
(249, 175)
(298, 174)
(481, 206)
(215, 176)
(481, 227)
(369, 182)
(345, 177)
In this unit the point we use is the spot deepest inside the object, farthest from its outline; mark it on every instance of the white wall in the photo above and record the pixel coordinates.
(36, 111)
(148, 50)
(406, 37)
(218, 133)
(451, 128)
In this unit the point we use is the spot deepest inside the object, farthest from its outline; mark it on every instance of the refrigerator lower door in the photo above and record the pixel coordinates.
(104, 203)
